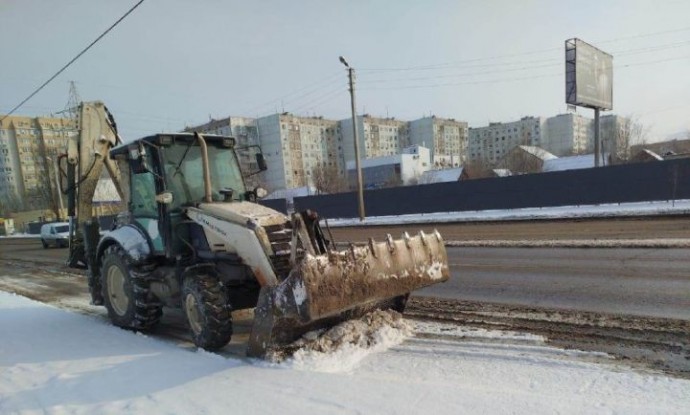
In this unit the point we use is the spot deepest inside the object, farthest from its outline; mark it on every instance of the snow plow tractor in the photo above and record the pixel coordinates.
(193, 237)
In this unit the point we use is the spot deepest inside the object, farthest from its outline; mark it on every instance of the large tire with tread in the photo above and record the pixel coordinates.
(399, 303)
(126, 293)
(205, 304)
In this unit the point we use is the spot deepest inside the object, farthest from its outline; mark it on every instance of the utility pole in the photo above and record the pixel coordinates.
(360, 188)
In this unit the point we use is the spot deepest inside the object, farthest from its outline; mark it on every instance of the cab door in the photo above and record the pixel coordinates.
(145, 210)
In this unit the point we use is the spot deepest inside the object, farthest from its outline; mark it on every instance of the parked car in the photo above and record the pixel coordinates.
(55, 234)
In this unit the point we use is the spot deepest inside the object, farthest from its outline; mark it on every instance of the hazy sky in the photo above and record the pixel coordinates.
(176, 62)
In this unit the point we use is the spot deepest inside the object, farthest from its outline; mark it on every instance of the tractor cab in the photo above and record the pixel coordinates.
(167, 173)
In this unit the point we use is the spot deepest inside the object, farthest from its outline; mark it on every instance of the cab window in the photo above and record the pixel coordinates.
(144, 195)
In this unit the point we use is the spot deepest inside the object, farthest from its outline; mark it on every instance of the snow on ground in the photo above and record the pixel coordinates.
(343, 347)
(56, 362)
(675, 207)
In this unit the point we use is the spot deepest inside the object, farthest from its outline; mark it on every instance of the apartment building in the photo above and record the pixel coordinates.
(29, 147)
(445, 138)
(568, 134)
(245, 131)
(562, 135)
(491, 143)
(294, 146)
(377, 136)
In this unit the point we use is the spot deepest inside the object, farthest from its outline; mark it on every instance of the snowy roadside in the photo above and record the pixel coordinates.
(53, 361)
(614, 210)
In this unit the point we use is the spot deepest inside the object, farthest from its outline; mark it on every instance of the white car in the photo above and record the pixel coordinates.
(55, 234)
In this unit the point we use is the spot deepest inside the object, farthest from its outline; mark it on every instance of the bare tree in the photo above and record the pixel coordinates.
(327, 179)
(621, 136)
(45, 194)
(521, 161)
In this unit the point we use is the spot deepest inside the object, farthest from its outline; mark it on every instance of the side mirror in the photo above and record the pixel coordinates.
(139, 159)
(227, 194)
(261, 162)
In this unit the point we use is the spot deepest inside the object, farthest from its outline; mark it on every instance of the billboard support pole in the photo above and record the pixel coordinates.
(597, 138)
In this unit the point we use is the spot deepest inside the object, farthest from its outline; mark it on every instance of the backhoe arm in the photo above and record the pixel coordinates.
(87, 154)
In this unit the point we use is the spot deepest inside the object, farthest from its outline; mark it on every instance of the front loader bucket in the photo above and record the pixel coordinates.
(324, 290)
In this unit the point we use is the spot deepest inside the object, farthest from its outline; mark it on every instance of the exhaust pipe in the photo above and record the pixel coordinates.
(205, 165)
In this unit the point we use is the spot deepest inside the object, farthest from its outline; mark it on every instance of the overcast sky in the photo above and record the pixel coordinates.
(173, 63)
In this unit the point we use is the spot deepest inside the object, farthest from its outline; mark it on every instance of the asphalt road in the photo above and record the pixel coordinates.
(644, 282)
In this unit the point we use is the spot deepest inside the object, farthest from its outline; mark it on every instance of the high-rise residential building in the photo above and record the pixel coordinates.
(246, 134)
(29, 148)
(377, 136)
(562, 135)
(568, 134)
(294, 146)
(491, 143)
(445, 138)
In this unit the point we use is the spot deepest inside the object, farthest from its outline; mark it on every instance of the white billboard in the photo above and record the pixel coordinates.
(588, 75)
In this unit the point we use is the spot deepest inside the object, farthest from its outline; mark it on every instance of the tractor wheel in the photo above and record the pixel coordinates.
(208, 314)
(399, 303)
(126, 292)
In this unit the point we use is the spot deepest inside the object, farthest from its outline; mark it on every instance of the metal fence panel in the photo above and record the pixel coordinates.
(664, 180)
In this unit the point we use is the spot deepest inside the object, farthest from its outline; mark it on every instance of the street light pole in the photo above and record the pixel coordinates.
(358, 166)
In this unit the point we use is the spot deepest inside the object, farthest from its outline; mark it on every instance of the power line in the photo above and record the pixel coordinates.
(73, 60)
(310, 89)
(320, 100)
(498, 80)
(534, 52)
(556, 62)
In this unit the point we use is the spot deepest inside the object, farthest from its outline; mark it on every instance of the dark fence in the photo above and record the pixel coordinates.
(276, 204)
(664, 180)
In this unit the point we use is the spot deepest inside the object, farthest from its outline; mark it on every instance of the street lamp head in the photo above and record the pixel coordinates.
(344, 62)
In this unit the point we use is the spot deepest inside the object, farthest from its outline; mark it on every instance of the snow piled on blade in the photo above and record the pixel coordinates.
(342, 347)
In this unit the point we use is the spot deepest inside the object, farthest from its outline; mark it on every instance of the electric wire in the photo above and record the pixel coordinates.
(499, 80)
(301, 92)
(542, 64)
(331, 95)
(498, 57)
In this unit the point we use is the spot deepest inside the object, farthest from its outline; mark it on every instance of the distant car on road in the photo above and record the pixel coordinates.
(55, 234)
